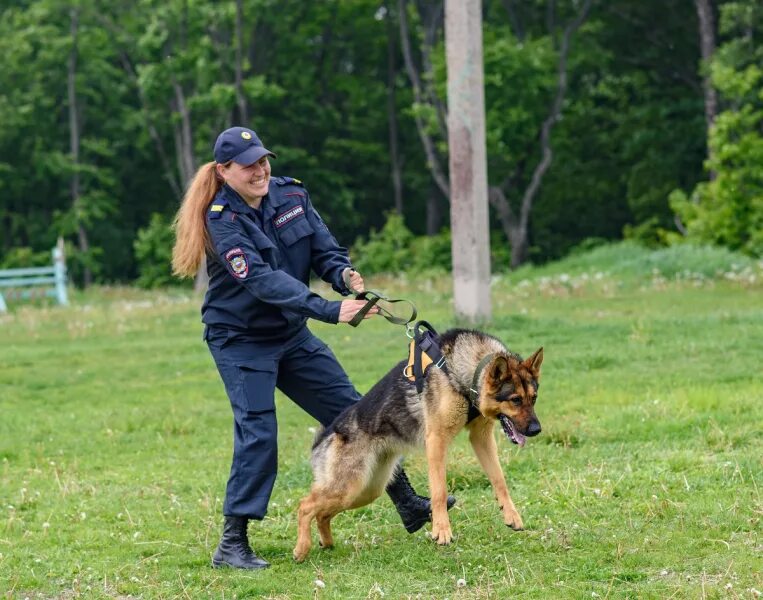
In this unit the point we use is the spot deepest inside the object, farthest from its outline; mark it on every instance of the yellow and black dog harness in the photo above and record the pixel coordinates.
(424, 348)
(424, 352)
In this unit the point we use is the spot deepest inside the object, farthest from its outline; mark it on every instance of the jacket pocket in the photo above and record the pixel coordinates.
(258, 385)
(294, 232)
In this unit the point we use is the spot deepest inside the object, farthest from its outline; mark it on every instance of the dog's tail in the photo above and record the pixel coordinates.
(320, 435)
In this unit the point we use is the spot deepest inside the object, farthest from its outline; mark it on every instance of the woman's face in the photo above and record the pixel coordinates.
(250, 181)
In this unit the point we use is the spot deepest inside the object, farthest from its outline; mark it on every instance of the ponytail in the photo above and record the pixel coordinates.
(191, 235)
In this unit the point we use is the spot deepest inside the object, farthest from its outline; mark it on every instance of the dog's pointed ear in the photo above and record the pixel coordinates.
(499, 368)
(533, 363)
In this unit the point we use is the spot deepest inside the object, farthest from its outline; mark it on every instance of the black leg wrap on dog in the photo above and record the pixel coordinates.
(414, 510)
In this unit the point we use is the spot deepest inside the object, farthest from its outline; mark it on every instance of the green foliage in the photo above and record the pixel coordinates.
(394, 249)
(153, 253)
(633, 260)
(22, 256)
(321, 82)
(728, 209)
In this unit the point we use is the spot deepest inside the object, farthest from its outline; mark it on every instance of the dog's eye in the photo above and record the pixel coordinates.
(517, 400)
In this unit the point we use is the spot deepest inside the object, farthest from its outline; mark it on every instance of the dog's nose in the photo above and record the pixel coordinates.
(533, 428)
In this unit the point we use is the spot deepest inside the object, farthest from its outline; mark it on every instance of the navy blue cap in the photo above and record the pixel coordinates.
(240, 145)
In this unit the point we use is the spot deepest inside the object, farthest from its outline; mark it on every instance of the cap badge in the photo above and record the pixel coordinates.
(246, 135)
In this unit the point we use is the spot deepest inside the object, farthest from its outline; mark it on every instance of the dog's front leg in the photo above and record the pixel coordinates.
(436, 447)
(483, 442)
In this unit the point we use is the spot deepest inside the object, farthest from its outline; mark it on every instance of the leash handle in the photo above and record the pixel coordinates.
(372, 299)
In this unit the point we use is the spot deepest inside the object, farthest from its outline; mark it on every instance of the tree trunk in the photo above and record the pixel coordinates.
(74, 145)
(517, 27)
(164, 158)
(434, 211)
(434, 161)
(706, 21)
(516, 226)
(184, 136)
(243, 112)
(394, 153)
(431, 15)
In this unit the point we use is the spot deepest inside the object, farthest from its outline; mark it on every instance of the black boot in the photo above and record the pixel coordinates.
(413, 509)
(234, 550)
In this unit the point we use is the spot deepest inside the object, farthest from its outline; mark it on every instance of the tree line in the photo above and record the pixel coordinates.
(604, 119)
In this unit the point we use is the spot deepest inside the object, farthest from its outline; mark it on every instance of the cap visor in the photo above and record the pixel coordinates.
(252, 155)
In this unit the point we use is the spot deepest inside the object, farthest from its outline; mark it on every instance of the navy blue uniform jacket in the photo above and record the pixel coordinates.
(260, 270)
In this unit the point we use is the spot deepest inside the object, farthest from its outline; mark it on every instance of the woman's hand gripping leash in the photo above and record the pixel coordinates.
(350, 308)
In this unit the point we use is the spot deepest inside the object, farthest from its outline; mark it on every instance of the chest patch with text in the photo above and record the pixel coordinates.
(288, 215)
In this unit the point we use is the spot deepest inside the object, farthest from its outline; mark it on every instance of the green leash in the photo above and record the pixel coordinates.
(373, 299)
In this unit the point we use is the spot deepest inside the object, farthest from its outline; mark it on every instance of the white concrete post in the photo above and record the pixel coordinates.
(59, 273)
(470, 228)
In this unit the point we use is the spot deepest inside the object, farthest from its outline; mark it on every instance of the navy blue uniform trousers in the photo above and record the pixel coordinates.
(304, 369)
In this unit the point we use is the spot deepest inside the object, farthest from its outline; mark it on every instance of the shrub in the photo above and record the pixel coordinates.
(153, 253)
(23, 256)
(394, 249)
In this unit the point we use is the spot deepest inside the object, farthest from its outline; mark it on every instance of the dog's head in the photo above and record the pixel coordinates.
(509, 392)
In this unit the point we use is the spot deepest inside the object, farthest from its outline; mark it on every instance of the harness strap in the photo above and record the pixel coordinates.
(425, 343)
(473, 413)
(372, 299)
(425, 351)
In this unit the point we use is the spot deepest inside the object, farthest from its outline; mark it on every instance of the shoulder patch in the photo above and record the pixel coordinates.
(289, 181)
(216, 208)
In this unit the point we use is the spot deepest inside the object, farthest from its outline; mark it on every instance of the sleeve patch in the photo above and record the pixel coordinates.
(237, 261)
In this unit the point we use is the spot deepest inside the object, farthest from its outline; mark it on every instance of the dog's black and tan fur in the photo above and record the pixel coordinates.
(354, 458)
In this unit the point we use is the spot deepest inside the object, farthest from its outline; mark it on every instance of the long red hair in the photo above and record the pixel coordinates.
(191, 235)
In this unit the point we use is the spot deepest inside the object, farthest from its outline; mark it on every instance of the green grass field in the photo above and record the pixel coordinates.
(115, 442)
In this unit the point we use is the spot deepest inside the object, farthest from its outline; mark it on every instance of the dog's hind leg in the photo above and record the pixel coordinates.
(324, 530)
(483, 443)
(323, 505)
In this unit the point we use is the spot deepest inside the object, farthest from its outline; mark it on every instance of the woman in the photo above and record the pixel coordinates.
(261, 237)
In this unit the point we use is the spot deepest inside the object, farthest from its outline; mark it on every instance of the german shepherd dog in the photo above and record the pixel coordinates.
(355, 457)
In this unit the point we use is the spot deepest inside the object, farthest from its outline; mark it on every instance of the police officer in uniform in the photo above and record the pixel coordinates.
(261, 238)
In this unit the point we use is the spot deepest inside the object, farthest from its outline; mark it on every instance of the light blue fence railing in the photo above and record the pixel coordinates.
(26, 283)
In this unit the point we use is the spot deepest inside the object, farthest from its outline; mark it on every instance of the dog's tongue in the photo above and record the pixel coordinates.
(511, 431)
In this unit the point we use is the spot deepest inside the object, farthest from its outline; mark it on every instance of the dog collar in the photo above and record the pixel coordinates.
(474, 392)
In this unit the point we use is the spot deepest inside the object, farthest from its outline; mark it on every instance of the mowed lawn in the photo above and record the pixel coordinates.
(115, 443)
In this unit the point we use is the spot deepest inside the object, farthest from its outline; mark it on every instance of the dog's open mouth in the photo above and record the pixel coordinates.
(511, 431)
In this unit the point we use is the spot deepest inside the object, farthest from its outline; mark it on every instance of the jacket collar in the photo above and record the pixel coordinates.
(269, 206)
(274, 200)
(235, 201)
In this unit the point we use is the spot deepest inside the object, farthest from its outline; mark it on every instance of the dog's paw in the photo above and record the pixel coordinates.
(300, 554)
(442, 535)
(513, 520)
